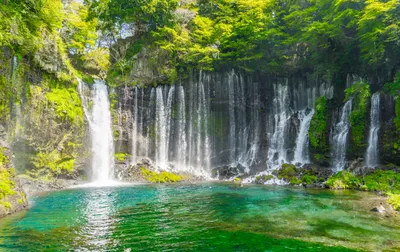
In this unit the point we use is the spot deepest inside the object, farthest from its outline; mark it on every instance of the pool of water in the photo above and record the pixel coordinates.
(202, 217)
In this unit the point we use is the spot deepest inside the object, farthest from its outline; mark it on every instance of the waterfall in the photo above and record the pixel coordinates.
(221, 121)
(340, 137)
(232, 117)
(101, 133)
(181, 146)
(161, 127)
(277, 151)
(372, 155)
(134, 136)
(301, 151)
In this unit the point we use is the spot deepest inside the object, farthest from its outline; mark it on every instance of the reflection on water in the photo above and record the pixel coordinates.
(208, 217)
(98, 214)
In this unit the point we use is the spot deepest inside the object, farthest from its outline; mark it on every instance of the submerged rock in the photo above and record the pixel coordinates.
(379, 209)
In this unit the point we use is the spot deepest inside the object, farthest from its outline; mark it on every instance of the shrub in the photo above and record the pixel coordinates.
(163, 177)
(309, 179)
(287, 172)
(394, 200)
(343, 180)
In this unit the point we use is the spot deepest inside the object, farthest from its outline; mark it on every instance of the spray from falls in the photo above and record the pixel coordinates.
(341, 132)
(101, 133)
(372, 155)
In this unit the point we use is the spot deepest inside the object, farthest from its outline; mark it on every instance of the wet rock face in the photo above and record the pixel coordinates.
(131, 173)
(228, 172)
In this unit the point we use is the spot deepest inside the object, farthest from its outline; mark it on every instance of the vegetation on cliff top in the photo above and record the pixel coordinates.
(329, 38)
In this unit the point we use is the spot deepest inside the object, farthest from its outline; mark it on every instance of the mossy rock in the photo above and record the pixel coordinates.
(309, 179)
(287, 172)
(162, 177)
(264, 178)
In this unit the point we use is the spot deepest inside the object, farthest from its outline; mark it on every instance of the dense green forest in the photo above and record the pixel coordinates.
(48, 44)
(327, 38)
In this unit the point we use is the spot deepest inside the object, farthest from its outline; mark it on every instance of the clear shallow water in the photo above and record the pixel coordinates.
(201, 217)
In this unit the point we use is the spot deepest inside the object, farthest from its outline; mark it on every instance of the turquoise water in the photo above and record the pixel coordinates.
(203, 217)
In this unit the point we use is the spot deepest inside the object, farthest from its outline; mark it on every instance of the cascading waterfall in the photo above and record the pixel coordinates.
(301, 151)
(161, 127)
(340, 134)
(101, 133)
(372, 155)
(218, 121)
(277, 151)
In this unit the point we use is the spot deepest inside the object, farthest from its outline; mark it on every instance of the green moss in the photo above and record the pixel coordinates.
(6, 182)
(287, 172)
(162, 177)
(54, 162)
(309, 179)
(264, 178)
(319, 125)
(343, 180)
(295, 181)
(6, 204)
(360, 94)
(67, 104)
(121, 156)
(318, 131)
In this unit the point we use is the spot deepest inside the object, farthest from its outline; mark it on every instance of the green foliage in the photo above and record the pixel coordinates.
(394, 200)
(264, 178)
(6, 182)
(309, 179)
(382, 181)
(394, 87)
(343, 180)
(67, 104)
(319, 125)
(121, 156)
(327, 37)
(54, 162)
(379, 181)
(162, 177)
(288, 173)
(359, 93)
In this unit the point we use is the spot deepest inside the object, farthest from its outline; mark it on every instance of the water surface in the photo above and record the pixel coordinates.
(218, 217)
